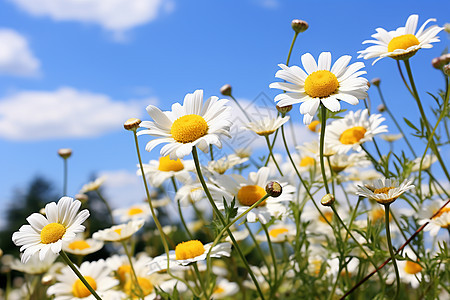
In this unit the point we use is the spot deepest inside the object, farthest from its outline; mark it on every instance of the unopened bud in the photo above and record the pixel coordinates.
(65, 152)
(327, 200)
(132, 124)
(284, 109)
(436, 63)
(226, 90)
(299, 25)
(381, 108)
(82, 197)
(446, 69)
(376, 81)
(274, 189)
(48, 279)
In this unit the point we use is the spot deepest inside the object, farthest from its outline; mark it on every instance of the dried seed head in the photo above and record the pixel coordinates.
(327, 200)
(226, 90)
(65, 152)
(284, 109)
(132, 124)
(274, 189)
(299, 25)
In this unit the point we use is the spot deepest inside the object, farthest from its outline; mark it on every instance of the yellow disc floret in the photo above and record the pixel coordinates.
(166, 164)
(79, 245)
(328, 216)
(313, 125)
(352, 135)
(250, 194)
(144, 284)
(188, 128)
(277, 231)
(320, 84)
(412, 267)
(135, 211)
(52, 233)
(441, 212)
(79, 290)
(383, 190)
(307, 161)
(403, 42)
(123, 271)
(189, 249)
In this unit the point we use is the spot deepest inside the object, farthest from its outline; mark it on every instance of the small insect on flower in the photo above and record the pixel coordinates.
(188, 125)
(321, 83)
(403, 42)
(61, 223)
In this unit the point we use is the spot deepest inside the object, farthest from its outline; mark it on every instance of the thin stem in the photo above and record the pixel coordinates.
(222, 220)
(391, 251)
(322, 141)
(403, 77)
(202, 283)
(65, 177)
(107, 206)
(133, 271)
(211, 152)
(258, 248)
(274, 260)
(332, 175)
(183, 222)
(273, 156)
(240, 107)
(290, 49)
(77, 272)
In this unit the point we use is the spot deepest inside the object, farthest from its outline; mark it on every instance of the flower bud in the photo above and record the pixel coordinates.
(381, 108)
(284, 109)
(132, 124)
(299, 25)
(82, 197)
(226, 90)
(376, 81)
(436, 63)
(327, 200)
(274, 189)
(446, 69)
(65, 152)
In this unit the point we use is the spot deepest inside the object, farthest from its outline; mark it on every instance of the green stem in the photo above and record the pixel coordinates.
(273, 156)
(222, 220)
(258, 248)
(332, 175)
(65, 177)
(133, 271)
(211, 152)
(107, 206)
(183, 222)
(391, 251)
(77, 272)
(202, 283)
(240, 107)
(322, 142)
(274, 260)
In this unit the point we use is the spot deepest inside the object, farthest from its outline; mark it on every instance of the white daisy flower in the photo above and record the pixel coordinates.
(391, 137)
(403, 42)
(120, 232)
(93, 185)
(267, 125)
(34, 265)
(248, 191)
(439, 221)
(220, 166)
(341, 161)
(188, 252)
(385, 190)
(224, 289)
(188, 125)
(61, 223)
(351, 267)
(409, 269)
(279, 232)
(321, 83)
(428, 160)
(81, 246)
(158, 171)
(134, 212)
(353, 130)
(96, 273)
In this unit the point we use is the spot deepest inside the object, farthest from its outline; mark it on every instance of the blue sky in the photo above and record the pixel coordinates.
(76, 74)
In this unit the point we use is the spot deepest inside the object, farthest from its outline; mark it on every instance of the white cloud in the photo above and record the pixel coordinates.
(117, 16)
(16, 57)
(64, 113)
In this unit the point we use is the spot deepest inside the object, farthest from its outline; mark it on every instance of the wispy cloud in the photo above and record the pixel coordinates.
(64, 113)
(116, 16)
(16, 58)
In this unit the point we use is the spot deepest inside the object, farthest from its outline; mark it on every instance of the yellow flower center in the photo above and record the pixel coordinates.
(166, 164)
(412, 267)
(444, 210)
(146, 287)
(189, 249)
(118, 231)
(250, 194)
(52, 233)
(320, 84)
(403, 42)
(79, 245)
(352, 135)
(383, 190)
(123, 271)
(313, 125)
(378, 214)
(328, 216)
(134, 211)
(277, 231)
(218, 290)
(307, 161)
(79, 290)
(188, 128)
